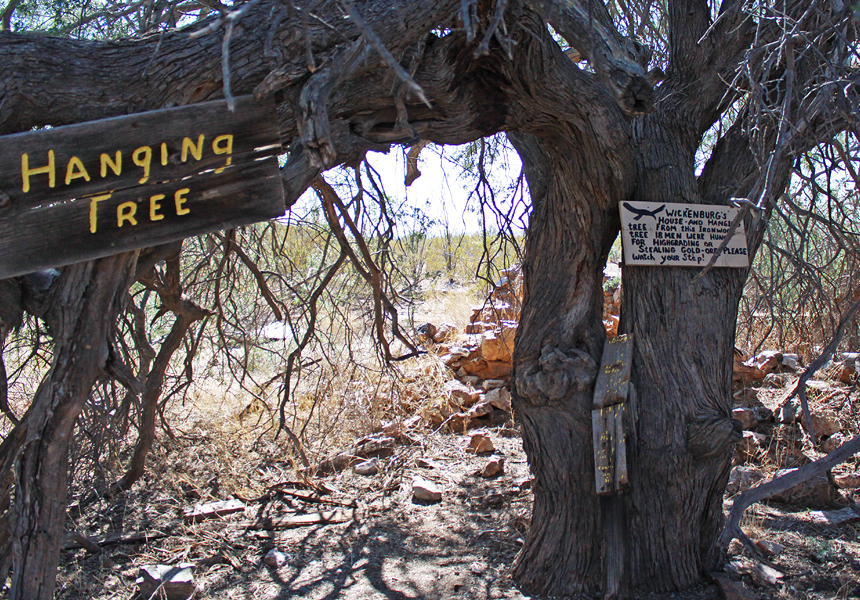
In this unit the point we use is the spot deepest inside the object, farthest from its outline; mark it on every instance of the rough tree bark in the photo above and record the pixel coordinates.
(586, 142)
(84, 302)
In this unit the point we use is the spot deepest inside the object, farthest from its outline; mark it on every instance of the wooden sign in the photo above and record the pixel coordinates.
(608, 427)
(680, 235)
(93, 189)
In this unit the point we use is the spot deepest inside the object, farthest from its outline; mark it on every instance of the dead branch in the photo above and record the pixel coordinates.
(733, 530)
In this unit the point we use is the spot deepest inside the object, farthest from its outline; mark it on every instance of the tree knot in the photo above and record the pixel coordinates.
(711, 435)
(556, 375)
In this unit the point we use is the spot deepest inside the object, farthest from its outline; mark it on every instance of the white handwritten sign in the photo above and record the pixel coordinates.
(680, 235)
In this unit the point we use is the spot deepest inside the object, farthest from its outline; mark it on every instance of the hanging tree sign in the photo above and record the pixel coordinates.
(680, 235)
(93, 189)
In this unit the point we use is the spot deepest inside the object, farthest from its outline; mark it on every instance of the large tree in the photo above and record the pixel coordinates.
(691, 101)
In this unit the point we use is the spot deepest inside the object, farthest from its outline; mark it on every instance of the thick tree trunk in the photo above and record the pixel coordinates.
(85, 304)
(559, 345)
(683, 331)
(681, 433)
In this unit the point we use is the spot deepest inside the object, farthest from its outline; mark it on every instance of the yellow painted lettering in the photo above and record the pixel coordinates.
(154, 207)
(189, 146)
(163, 154)
(48, 170)
(115, 165)
(76, 170)
(94, 211)
(223, 144)
(142, 157)
(179, 199)
(125, 212)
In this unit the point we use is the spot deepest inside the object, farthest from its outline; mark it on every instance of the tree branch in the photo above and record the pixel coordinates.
(591, 32)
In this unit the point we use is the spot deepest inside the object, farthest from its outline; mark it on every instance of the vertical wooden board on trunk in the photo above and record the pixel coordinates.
(614, 374)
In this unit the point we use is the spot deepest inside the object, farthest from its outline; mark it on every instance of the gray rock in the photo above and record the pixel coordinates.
(817, 492)
(492, 384)
(500, 398)
(743, 478)
(367, 467)
(275, 558)
(792, 361)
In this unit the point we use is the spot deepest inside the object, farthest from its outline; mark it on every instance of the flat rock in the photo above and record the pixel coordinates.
(849, 481)
(765, 575)
(492, 384)
(842, 516)
(832, 443)
(742, 372)
(769, 548)
(426, 463)
(480, 443)
(367, 467)
(492, 369)
(424, 490)
(500, 398)
(732, 590)
(175, 581)
(825, 425)
(481, 409)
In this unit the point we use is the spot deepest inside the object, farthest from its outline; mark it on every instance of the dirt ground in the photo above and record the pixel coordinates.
(395, 548)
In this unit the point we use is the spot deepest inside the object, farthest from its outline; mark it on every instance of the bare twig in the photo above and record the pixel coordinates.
(386, 56)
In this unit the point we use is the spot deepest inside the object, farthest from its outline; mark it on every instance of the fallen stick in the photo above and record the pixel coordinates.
(733, 530)
(293, 521)
(93, 543)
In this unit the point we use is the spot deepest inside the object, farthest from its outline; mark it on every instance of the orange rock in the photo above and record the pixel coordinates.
(480, 443)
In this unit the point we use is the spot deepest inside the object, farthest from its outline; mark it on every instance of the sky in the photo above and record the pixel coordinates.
(443, 189)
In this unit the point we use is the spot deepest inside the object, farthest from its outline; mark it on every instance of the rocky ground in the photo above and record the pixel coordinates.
(436, 506)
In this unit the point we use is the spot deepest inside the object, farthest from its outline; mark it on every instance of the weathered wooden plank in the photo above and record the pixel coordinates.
(210, 510)
(91, 227)
(293, 521)
(603, 438)
(614, 375)
(55, 165)
(615, 541)
(620, 479)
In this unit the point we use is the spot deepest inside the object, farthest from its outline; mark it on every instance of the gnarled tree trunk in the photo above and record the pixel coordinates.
(81, 314)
